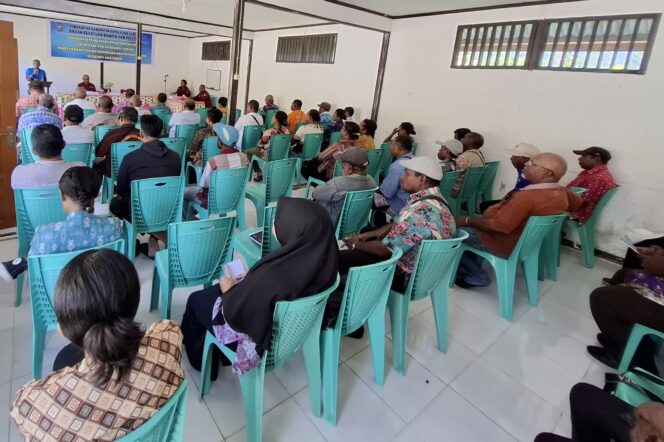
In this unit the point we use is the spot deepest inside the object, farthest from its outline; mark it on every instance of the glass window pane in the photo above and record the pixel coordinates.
(545, 60)
(502, 53)
(477, 46)
(611, 44)
(493, 50)
(636, 58)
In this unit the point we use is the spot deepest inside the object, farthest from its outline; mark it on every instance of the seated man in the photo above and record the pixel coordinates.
(269, 104)
(104, 115)
(229, 158)
(187, 116)
(126, 132)
(80, 99)
(203, 96)
(214, 116)
(72, 131)
(183, 90)
(349, 113)
(392, 198)
(251, 118)
(448, 153)
(595, 177)
(47, 143)
(137, 104)
(153, 159)
(324, 111)
(296, 116)
(501, 225)
(43, 115)
(331, 195)
(35, 90)
(161, 102)
(471, 157)
(85, 84)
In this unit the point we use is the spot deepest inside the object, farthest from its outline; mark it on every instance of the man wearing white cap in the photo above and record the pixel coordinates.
(448, 152)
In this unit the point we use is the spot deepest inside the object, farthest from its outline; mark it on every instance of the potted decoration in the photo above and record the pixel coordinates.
(107, 87)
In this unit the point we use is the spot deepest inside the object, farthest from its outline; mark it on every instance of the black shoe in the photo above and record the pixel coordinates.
(607, 282)
(357, 334)
(9, 270)
(463, 284)
(603, 356)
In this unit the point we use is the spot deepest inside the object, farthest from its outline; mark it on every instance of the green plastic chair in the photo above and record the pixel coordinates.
(277, 182)
(485, 186)
(296, 324)
(432, 275)
(251, 251)
(267, 122)
(226, 194)
(355, 213)
(214, 100)
(43, 272)
(167, 425)
(238, 114)
(526, 252)
(155, 203)
(27, 155)
(279, 145)
(250, 136)
(202, 112)
(177, 145)
(186, 131)
(99, 132)
(334, 137)
(88, 112)
(386, 158)
(375, 161)
(165, 117)
(83, 152)
(364, 300)
(467, 192)
(447, 183)
(414, 149)
(138, 125)
(311, 146)
(586, 231)
(27, 110)
(34, 207)
(118, 152)
(209, 148)
(196, 253)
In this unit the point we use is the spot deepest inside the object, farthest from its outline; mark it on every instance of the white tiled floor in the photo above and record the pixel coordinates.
(499, 381)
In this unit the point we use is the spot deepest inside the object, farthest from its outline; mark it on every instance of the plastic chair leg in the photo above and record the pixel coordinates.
(311, 352)
(587, 237)
(166, 294)
(439, 304)
(505, 275)
(398, 305)
(299, 179)
(38, 342)
(19, 289)
(252, 384)
(330, 342)
(206, 367)
(241, 216)
(376, 325)
(154, 296)
(530, 265)
(131, 241)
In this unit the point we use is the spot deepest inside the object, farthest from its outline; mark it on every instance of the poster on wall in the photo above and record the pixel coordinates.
(94, 42)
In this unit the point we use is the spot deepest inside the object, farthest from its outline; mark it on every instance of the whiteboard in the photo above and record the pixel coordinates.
(213, 79)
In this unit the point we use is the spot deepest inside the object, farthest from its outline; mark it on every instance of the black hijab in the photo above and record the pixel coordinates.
(305, 264)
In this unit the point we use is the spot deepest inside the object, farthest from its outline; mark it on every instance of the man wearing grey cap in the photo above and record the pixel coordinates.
(331, 195)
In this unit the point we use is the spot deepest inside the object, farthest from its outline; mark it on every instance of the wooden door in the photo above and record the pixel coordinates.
(8, 97)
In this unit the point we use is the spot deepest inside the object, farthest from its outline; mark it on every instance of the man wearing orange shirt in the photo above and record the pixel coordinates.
(296, 116)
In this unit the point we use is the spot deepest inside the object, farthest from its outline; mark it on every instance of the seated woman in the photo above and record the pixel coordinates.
(338, 118)
(405, 129)
(121, 372)
(279, 127)
(322, 167)
(240, 312)
(367, 133)
(222, 105)
(81, 229)
(311, 125)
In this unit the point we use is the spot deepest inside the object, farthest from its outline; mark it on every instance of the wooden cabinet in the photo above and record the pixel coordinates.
(8, 97)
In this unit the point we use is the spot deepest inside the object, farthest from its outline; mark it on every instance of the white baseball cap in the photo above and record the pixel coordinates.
(424, 165)
(452, 145)
(523, 150)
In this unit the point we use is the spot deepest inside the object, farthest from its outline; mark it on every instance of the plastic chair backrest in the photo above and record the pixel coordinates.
(165, 117)
(186, 131)
(35, 207)
(291, 324)
(118, 152)
(209, 148)
(471, 181)
(197, 250)
(213, 101)
(27, 155)
(156, 202)
(311, 146)
(365, 285)
(238, 114)
(227, 190)
(447, 183)
(355, 212)
(436, 260)
(268, 117)
(279, 145)
(167, 424)
(486, 183)
(334, 137)
(603, 201)
(176, 144)
(100, 132)
(83, 152)
(250, 136)
(386, 158)
(268, 220)
(27, 110)
(202, 112)
(375, 159)
(278, 176)
(533, 234)
(88, 112)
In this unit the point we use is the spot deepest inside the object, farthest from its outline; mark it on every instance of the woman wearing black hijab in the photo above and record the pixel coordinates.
(305, 264)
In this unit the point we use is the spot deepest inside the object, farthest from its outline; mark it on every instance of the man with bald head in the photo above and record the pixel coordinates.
(137, 104)
(80, 99)
(501, 225)
(85, 84)
(104, 115)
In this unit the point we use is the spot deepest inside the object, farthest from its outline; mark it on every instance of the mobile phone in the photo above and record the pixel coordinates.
(235, 270)
(634, 249)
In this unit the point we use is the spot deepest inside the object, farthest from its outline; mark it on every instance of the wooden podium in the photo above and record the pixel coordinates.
(46, 85)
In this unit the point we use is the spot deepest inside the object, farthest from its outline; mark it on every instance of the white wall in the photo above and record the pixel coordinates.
(557, 111)
(170, 56)
(350, 81)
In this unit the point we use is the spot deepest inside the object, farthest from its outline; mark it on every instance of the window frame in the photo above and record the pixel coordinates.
(302, 41)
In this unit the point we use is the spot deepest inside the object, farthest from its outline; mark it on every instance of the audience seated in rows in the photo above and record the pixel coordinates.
(311, 125)
(331, 195)
(296, 116)
(392, 198)
(81, 229)
(161, 103)
(127, 131)
(326, 160)
(128, 93)
(183, 90)
(338, 118)
(349, 113)
(80, 99)
(104, 115)
(448, 153)
(187, 116)
(73, 132)
(86, 84)
(251, 118)
(501, 225)
(269, 104)
(240, 313)
(35, 90)
(222, 105)
(324, 111)
(47, 143)
(595, 177)
(367, 133)
(228, 158)
(44, 114)
(96, 300)
(137, 104)
(204, 96)
(195, 149)
(405, 129)
(279, 126)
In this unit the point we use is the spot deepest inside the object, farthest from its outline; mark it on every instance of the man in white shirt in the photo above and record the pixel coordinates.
(137, 104)
(187, 116)
(311, 125)
(80, 100)
(73, 132)
(251, 118)
(104, 115)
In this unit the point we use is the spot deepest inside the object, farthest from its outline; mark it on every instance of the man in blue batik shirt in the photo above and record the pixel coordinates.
(35, 73)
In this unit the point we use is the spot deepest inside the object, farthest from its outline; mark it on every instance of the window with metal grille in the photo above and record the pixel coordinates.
(217, 50)
(319, 48)
(498, 45)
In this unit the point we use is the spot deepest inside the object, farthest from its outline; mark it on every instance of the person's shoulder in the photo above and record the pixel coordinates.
(165, 330)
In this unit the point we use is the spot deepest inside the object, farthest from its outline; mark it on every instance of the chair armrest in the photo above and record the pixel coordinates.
(211, 339)
(636, 336)
(311, 181)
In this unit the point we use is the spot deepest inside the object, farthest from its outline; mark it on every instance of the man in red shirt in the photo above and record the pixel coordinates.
(183, 90)
(204, 96)
(85, 84)
(595, 177)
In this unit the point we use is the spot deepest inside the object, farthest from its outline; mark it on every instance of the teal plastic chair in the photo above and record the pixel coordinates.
(118, 152)
(586, 231)
(186, 131)
(447, 183)
(485, 186)
(196, 253)
(167, 425)
(34, 207)
(279, 145)
(238, 114)
(526, 252)
(165, 117)
(226, 194)
(364, 300)
(414, 149)
(43, 272)
(250, 136)
(468, 190)
(177, 145)
(267, 122)
(88, 112)
(355, 213)
(251, 251)
(213, 101)
(27, 110)
(277, 182)
(334, 137)
(99, 132)
(209, 148)
(375, 161)
(432, 275)
(296, 324)
(311, 146)
(27, 155)
(202, 112)
(83, 152)
(155, 203)
(386, 158)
